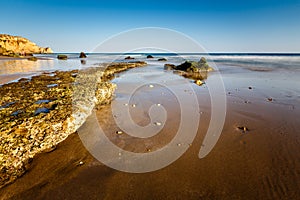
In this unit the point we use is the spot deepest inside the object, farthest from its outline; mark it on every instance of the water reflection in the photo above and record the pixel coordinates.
(24, 66)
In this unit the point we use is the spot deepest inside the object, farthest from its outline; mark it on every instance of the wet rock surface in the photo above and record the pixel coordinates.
(192, 69)
(38, 113)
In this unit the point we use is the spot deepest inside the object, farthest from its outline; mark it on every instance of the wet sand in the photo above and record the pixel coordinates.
(262, 163)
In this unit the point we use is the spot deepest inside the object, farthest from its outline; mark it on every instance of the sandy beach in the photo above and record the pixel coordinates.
(260, 162)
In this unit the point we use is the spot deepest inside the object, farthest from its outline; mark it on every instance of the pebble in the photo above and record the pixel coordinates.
(133, 105)
(119, 132)
(157, 123)
(81, 163)
(158, 104)
(151, 86)
(243, 128)
(179, 144)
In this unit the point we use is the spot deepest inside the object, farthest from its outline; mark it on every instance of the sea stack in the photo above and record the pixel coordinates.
(82, 55)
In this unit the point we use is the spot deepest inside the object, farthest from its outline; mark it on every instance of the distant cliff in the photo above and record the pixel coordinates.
(16, 45)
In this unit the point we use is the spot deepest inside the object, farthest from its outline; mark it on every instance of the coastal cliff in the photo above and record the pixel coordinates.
(16, 46)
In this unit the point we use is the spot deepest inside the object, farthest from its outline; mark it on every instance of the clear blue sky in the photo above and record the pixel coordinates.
(220, 26)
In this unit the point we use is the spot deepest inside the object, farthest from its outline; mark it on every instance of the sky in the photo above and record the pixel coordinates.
(218, 26)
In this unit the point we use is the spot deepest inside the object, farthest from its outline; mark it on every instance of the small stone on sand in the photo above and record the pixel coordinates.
(151, 86)
(157, 123)
(119, 132)
(243, 128)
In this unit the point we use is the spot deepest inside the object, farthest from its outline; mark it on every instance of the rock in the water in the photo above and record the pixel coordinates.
(162, 59)
(149, 56)
(192, 66)
(62, 57)
(32, 58)
(169, 66)
(82, 55)
(199, 82)
(129, 58)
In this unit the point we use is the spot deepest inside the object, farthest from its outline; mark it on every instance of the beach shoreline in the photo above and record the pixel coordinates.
(261, 163)
(258, 162)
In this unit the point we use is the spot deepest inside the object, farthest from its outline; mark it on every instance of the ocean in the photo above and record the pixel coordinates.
(251, 61)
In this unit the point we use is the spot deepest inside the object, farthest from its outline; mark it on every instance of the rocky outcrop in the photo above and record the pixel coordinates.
(38, 113)
(192, 66)
(82, 55)
(149, 56)
(192, 69)
(16, 46)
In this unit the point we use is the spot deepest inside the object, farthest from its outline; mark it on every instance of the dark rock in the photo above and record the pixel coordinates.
(62, 57)
(162, 59)
(150, 56)
(82, 55)
(192, 66)
(129, 58)
(32, 58)
(243, 129)
(28, 54)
